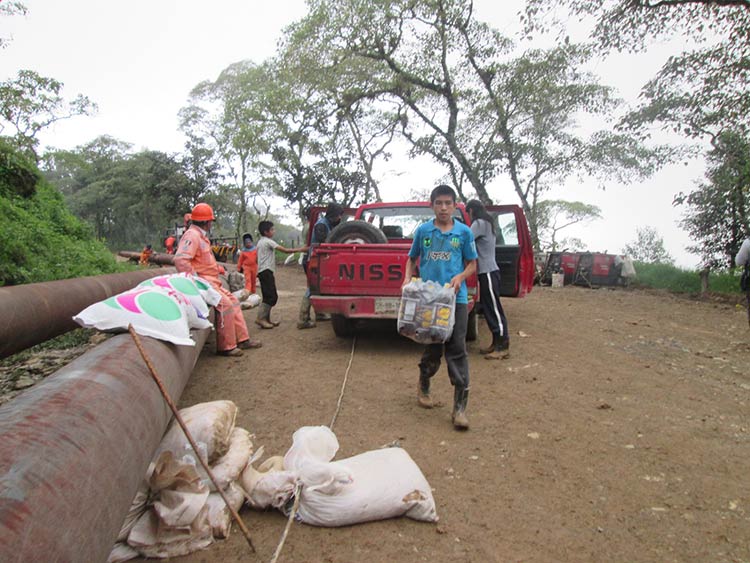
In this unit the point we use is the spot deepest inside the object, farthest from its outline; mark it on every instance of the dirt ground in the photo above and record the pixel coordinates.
(618, 431)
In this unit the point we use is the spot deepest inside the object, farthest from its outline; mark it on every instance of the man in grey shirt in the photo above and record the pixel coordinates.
(483, 227)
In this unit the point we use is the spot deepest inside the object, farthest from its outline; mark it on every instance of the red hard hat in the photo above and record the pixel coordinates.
(202, 212)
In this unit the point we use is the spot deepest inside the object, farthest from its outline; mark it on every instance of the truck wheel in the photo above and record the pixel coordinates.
(342, 326)
(472, 328)
(357, 232)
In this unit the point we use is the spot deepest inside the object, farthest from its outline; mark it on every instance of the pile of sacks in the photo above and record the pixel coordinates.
(236, 283)
(374, 485)
(177, 509)
(163, 307)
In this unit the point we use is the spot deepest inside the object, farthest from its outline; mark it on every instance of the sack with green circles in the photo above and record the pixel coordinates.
(192, 288)
(153, 311)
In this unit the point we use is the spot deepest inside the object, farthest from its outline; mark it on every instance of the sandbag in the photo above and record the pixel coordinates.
(121, 552)
(229, 466)
(386, 483)
(152, 538)
(152, 311)
(219, 515)
(374, 485)
(210, 424)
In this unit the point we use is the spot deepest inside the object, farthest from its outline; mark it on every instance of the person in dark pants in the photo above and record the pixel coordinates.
(483, 227)
(446, 253)
(267, 248)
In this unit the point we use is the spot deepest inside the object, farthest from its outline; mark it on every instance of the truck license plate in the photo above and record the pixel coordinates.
(387, 306)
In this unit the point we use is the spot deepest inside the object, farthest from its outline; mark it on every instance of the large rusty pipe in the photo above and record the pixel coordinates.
(35, 312)
(74, 448)
(162, 259)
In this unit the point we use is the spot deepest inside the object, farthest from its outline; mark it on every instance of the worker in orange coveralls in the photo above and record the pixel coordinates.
(169, 244)
(194, 256)
(248, 262)
(145, 255)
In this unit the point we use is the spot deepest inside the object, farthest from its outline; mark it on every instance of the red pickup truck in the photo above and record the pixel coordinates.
(357, 273)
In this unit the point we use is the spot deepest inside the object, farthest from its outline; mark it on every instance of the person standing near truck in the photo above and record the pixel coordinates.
(322, 227)
(194, 256)
(267, 248)
(248, 262)
(447, 254)
(488, 273)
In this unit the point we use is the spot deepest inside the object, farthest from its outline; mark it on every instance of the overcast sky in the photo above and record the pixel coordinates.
(138, 60)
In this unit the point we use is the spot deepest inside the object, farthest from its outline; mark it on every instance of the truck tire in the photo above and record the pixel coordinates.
(342, 326)
(472, 328)
(357, 232)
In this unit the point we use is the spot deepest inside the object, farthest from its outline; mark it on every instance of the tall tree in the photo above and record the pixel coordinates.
(717, 212)
(32, 102)
(698, 92)
(648, 247)
(556, 215)
(466, 102)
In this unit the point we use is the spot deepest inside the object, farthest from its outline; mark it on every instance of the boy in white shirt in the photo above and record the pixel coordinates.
(267, 248)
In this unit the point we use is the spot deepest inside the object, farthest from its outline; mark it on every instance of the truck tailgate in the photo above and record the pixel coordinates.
(355, 269)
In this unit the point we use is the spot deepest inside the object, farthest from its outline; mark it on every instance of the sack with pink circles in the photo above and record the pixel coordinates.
(153, 311)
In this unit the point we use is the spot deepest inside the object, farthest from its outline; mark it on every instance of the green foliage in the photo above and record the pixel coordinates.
(680, 280)
(40, 240)
(717, 212)
(648, 247)
(32, 102)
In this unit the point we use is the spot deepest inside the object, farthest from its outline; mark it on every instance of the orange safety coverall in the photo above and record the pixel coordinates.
(194, 256)
(169, 244)
(248, 265)
(145, 255)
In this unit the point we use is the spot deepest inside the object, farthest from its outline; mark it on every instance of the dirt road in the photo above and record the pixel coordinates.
(618, 431)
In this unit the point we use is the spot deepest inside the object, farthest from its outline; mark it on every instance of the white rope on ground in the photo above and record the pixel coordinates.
(298, 486)
(343, 385)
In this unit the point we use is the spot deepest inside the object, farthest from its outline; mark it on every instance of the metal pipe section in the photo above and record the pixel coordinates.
(74, 448)
(160, 258)
(35, 312)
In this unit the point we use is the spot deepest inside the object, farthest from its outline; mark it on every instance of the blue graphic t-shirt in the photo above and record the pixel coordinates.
(442, 255)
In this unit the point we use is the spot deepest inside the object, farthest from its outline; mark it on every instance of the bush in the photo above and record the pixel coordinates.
(666, 276)
(40, 240)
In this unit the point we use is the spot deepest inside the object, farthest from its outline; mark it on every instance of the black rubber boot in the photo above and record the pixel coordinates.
(460, 400)
(423, 393)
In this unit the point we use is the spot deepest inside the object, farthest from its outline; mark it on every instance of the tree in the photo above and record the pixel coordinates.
(32, 102)
(11, 9)
(648, 247)
(698, 92)
(554, 215)
(466, 103)
(717, 212)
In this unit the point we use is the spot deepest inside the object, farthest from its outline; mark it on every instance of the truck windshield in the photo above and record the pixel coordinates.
(401, 222)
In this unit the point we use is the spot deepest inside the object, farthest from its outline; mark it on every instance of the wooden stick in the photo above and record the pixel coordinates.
(177, 416)
(295, 505)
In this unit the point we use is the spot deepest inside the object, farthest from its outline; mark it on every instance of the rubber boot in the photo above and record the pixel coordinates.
(500, 350)
(491, 347)
(304, 314)
(423, 393)
(460, 399)
(262, 320)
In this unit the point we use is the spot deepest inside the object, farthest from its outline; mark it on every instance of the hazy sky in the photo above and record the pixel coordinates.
(138, 60)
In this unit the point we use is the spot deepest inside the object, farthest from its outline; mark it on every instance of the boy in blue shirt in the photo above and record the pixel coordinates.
(447, 254)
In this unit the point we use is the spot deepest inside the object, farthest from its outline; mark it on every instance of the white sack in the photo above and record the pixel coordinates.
(187, 286)
(254, 299)
(210, 424)
(137, 508)
(210, 294)
(219, 516)
(269, 485)
(385, 483)
(180, 508)
(121, 552)
(177, 474)
(241, 294)
(152, 312)
(229, 466)
(151, 538)
(289, 259)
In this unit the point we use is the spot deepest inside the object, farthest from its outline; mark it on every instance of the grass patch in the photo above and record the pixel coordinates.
(679, 280)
